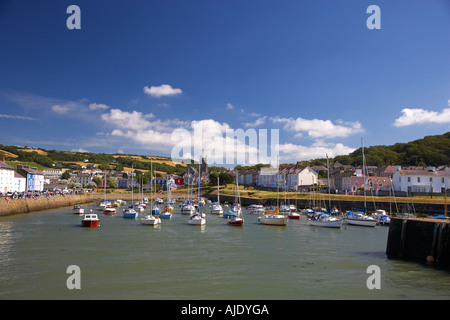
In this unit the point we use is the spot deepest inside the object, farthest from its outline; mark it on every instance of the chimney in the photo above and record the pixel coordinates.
(19, 167)
(26, 167)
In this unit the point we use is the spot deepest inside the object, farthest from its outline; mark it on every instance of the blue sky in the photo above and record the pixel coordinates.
(138, 70)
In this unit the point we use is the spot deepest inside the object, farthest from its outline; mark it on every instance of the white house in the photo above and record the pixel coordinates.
(291, 177)
(425, 180)
(6, 178)
(20, 182)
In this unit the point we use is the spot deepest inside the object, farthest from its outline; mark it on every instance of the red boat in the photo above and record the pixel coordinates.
(90, 220)
(294, 215)
(236, 221)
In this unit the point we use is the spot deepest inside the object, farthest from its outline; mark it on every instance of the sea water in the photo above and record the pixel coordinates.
(123, 259)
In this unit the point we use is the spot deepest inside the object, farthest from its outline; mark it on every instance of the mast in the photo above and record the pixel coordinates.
(329, 187)
(151, 185)
(364, 173)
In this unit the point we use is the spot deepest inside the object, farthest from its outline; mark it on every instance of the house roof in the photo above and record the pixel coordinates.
(424, 172)
(4, 165)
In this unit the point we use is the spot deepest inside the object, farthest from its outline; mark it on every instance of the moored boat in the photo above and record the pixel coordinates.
(294, 215)
(325, 220)
(273, 219)
(109, 209)
(78, 209)
(150, 219)
(359, 219)
(90, 220)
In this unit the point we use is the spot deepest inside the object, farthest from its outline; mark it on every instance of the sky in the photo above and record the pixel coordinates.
(175, 78)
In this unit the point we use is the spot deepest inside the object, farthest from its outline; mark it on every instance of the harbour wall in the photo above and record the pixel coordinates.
(390, 207)
(422, 240)
(27, 205)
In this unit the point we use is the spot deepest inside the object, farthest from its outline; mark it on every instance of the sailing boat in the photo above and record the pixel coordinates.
(274, 217)
(130, 213)
(167, 214)
(150, 219)
(360, 218)
(216, 208)
(237, 219)
(323, 219)
(188, 207)
(199, 217)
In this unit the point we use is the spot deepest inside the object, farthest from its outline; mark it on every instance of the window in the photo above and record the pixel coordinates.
(418, 179)
(443, 180)
(409, 179)
(431, 179)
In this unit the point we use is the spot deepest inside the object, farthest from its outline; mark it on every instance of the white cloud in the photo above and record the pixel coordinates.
(291, 153)
(419, 116)
(127, 120)
(317, 128)
(11, 116)
(95, 106)
(162, 90)
(229, 106)
(256, 123)
(79, 150)
(60, 109)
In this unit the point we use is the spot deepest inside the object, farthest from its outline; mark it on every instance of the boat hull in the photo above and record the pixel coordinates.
(90, 223)
(236, 221)
(361, 222)
(273, 220)
(150, 221)
(294, 216)
(326, 224)
(197, 220)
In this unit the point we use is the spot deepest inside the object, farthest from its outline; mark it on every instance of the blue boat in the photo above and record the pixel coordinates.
(130, 213)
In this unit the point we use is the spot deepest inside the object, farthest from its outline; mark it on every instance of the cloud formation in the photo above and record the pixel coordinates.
(420, 116)
(317, 128)
(162, 90)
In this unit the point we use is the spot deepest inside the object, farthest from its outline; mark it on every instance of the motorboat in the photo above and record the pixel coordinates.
(325, 220)
(90, 220)
(294, 215)
(78, 209)
(109, 209)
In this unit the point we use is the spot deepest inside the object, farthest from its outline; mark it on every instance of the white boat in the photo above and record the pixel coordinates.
(130, 213)
(187, 208)
(293, 208)
(78, 209)
(150, 219)
(109, 209)
(101, 206)
(359, 219)
(216, 208)
(236, 218)
(284, 209)
(197, 219)
(325, 220)
(273, 219)
(382, 217)
(257, 211)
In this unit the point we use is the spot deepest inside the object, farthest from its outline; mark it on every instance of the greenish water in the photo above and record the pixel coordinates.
(123, 259)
